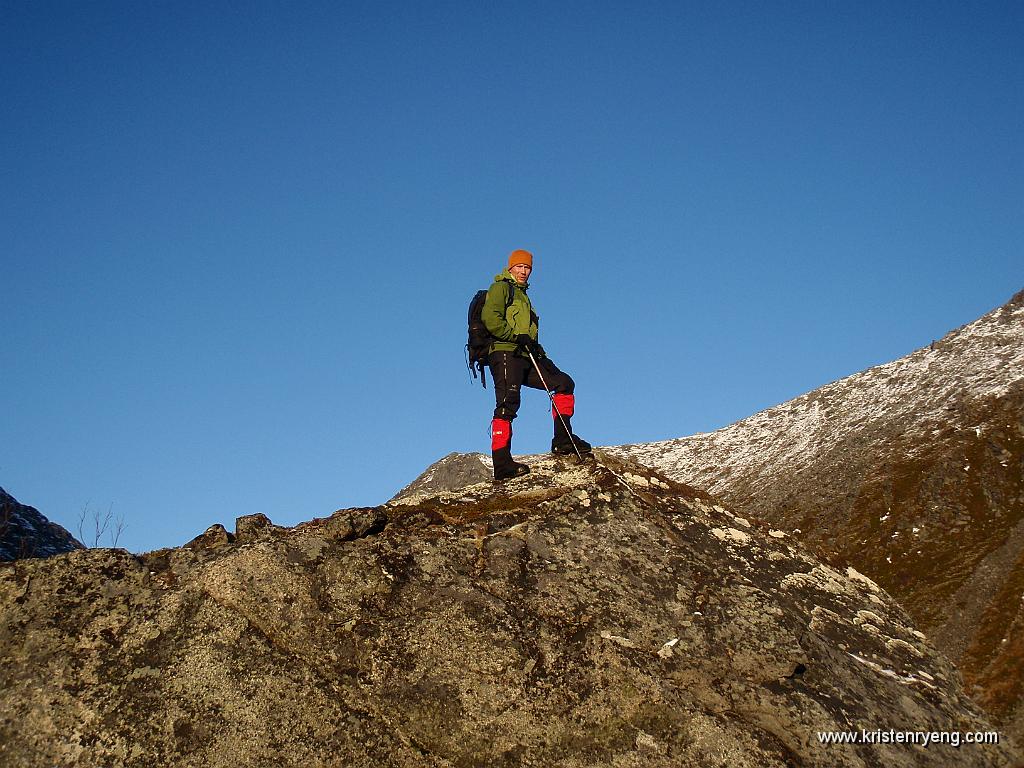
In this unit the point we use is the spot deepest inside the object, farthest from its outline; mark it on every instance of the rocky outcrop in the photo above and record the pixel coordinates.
(594, 615)
(24, 532)
(913, 472)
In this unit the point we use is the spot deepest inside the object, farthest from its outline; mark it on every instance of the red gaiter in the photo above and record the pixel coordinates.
(501, 434)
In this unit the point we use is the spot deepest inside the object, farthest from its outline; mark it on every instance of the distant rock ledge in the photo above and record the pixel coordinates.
(456, 470)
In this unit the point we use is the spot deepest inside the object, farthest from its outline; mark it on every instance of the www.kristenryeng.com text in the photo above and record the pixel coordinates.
(895, 736)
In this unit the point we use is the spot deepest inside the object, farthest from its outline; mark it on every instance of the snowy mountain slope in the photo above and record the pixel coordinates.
(913, 471)
(925, 391)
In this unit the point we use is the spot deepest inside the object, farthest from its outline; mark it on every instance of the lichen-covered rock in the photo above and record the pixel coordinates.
(252, 527)
(214, 537)
(594, 615)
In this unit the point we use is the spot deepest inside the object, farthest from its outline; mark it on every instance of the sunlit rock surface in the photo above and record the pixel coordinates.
(594, 615)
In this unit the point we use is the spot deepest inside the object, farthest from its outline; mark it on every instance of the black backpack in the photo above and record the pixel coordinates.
(480, 339)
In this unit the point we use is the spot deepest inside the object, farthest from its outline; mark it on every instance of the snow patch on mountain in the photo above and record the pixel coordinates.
(922, 391)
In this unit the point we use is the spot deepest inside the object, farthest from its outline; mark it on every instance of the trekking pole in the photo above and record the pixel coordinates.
(553, 406)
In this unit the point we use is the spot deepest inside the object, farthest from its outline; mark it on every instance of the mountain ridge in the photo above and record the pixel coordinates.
(751, 438)
(913, 471)
(26, 532)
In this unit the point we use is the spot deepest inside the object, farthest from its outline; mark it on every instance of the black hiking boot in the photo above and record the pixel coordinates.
(505, 467)
(563, 446)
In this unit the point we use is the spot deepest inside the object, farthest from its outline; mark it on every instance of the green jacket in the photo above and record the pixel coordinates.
(519, 318)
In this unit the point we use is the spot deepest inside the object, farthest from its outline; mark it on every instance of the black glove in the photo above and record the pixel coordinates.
(524, 341)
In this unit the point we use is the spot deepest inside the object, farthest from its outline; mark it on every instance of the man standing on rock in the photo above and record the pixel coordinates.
(510, 319)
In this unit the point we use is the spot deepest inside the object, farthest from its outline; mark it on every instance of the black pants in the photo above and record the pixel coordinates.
(510, 373)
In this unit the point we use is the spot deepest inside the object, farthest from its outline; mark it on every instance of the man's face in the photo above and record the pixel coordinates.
(521, 272)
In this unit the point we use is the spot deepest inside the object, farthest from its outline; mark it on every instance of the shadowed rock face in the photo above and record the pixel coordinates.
(596, 615)
(913, 472)
(24, 532)
(456, 470)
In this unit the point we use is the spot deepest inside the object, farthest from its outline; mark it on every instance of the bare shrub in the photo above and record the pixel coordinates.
(94, 524)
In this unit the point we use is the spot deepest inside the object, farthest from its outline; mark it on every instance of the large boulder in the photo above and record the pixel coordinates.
(594, 615)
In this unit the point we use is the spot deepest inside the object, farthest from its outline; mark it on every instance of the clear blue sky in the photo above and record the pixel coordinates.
(237, 240)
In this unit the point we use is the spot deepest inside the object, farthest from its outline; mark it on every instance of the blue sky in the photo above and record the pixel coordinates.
(237, 240)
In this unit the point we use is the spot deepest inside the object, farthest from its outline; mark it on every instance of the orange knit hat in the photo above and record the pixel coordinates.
(520, 257)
